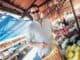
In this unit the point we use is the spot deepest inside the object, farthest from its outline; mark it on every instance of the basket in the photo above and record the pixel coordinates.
(55, 54)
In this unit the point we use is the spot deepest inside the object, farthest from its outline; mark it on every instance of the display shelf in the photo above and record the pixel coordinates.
(17, 51)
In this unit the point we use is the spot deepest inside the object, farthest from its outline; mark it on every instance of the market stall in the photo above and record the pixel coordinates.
(64, 20)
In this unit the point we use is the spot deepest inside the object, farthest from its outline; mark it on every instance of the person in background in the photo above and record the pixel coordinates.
(39, 34)
(65, 22)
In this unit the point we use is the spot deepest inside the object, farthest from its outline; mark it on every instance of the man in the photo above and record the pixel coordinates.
(38, 35)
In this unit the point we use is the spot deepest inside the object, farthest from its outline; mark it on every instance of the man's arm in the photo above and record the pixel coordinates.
(38, 44)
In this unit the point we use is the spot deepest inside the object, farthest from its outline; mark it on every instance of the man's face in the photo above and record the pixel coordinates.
(34, 12)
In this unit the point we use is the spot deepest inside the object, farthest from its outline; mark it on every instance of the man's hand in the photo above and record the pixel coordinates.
(44, 45)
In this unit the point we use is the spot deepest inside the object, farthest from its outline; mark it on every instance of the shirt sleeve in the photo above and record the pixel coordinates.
(27, 33)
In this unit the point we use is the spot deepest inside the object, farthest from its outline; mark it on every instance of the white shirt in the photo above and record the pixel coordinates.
(40, 33)
(37, 33)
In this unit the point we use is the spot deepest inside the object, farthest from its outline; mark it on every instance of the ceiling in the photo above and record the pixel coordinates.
(22, 6)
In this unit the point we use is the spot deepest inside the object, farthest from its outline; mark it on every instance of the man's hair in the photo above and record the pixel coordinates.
(34, 6)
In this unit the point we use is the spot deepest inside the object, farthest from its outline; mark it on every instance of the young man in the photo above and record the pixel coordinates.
(38, 35)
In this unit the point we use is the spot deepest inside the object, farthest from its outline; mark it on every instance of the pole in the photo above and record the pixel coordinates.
(74, 15)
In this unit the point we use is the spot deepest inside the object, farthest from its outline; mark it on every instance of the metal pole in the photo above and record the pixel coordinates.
(74, 15)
